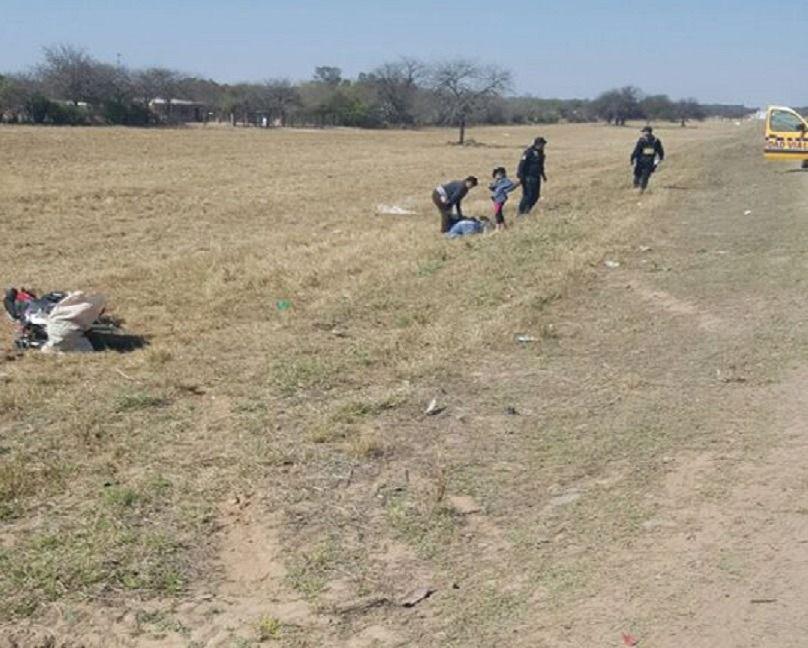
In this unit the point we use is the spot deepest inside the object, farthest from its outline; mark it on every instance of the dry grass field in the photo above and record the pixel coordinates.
(264, 473)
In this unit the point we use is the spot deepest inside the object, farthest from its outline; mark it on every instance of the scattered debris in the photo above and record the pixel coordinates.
(645, 248)
(764, 600)
(433, 408)
(748, 212)
(394, 210)
(611, 264)
(658, 523)
(283, 304)
(565, 498)
(525, 339)
(416, 596)
(125, 375)
(629, 639)
(362, 604)
(727, 378)
(188, 388)
(65, 321)
(511, 411)
(464, 504)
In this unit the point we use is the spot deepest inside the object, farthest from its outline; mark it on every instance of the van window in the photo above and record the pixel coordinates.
(784, 122)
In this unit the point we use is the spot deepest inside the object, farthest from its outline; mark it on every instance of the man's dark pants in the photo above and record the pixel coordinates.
(531, 189)
(642, 174)
(446, 218)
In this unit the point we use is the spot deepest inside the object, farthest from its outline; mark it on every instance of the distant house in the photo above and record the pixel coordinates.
(179, 110)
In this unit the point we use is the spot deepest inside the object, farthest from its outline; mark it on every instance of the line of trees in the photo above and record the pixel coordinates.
(620, 105)
(70, 86)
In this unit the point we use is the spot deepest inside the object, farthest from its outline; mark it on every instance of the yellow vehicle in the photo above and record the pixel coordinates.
(786, 135)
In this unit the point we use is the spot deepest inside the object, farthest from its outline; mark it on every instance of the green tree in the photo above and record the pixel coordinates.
(688, 109)
(658, 107)
(618, 106)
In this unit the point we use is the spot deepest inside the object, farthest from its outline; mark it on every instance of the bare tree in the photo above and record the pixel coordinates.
(280, 98)
(397, 87)
(112, 83)
(69, 73)
(465, 86)
(157, 82)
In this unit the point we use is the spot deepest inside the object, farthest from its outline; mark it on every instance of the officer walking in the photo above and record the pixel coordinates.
(647, 154)
(530, 173)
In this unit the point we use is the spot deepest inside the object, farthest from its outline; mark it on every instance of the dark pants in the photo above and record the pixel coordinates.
(642, 174)
(531, 190)
(446, 218)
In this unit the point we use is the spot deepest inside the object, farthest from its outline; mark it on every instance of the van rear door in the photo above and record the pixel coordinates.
(786, 137)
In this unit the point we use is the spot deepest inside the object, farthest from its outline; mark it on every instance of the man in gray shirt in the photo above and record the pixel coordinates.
(448, 196)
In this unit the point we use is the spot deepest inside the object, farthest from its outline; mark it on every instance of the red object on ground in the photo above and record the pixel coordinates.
(630, 640)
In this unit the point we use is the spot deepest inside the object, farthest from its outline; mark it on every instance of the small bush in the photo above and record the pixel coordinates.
(136, 401)
(127, 114)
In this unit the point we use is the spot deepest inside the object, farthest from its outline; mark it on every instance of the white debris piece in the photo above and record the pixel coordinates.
(433, 408)
(68, 321)
(394, 210)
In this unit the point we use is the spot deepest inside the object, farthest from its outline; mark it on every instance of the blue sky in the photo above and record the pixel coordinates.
(742, 51)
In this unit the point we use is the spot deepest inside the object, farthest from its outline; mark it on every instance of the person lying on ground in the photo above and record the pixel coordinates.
(500, 187)
(469, 226)
(449, 196)
(645, 158)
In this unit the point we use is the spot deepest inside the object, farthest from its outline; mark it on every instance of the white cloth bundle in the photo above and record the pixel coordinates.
(66, 324)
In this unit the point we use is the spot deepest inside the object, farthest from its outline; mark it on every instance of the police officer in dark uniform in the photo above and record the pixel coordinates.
(644, 158)
(530, 173)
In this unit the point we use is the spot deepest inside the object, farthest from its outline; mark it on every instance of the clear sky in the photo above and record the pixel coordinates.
(753, 52)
